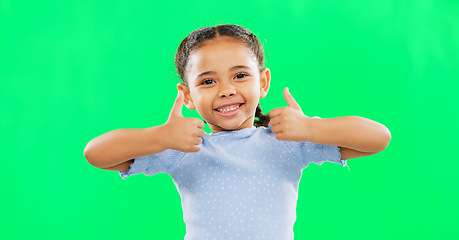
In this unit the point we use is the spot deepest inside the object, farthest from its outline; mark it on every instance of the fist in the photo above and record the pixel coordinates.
(182, 134)
(289, 123)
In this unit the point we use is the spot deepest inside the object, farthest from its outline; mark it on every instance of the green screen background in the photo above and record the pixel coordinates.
(73, 70)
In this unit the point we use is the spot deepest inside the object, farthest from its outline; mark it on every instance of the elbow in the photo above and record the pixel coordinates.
(89, 155)
(387, 135)
(380, 140)
(385, 138)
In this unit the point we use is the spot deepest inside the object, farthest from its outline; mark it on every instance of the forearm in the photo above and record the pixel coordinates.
(356, 133)
(121, 145)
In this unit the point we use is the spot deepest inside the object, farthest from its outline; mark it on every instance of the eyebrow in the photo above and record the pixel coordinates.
(231, 69)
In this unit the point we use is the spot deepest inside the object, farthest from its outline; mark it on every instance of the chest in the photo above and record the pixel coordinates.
(226, 166)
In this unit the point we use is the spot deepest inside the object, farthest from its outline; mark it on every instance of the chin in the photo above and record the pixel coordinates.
(224, 126)
(231, 124)
(230, 127)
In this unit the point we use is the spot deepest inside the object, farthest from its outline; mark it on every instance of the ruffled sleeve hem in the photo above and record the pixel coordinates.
(125, 174)
(135, 168)
(333, 154)
(155, 163)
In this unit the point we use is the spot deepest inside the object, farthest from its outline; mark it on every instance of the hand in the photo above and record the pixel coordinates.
(289, 123)
(180, 133)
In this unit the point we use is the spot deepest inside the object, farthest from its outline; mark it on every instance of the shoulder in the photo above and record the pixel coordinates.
(265, 132)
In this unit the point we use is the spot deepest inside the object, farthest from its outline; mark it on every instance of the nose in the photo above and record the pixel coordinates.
(227, 90)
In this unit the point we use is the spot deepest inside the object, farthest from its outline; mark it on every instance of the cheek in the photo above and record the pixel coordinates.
(253, 91)
(200, 98)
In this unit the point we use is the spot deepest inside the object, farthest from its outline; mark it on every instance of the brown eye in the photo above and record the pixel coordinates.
(207, 82)
(241, 75)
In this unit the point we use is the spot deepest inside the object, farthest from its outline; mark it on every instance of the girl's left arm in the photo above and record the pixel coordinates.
(356, 136)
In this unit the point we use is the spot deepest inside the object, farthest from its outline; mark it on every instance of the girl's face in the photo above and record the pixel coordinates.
(224, 84)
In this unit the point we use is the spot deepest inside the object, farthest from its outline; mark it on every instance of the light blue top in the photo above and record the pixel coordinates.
(241, 184)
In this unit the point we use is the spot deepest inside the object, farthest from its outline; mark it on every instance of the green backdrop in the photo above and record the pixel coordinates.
(73, 70)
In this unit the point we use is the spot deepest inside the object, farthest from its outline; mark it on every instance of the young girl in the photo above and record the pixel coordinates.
(238, 181)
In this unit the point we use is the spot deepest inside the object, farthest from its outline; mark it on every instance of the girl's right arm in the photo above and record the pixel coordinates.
(117, 149)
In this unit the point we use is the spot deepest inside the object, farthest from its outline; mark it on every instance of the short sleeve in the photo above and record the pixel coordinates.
(154, 163)
(310, 152)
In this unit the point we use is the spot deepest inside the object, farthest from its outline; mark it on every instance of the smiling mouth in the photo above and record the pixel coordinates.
(228, 108)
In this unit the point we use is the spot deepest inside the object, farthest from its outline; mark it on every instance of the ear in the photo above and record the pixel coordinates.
(265, 80)
(186, 93)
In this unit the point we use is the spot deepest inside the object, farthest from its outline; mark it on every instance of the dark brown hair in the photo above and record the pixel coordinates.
(197, 37)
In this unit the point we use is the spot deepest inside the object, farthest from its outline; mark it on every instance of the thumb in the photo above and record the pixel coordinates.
(290, 100)
(177, 108)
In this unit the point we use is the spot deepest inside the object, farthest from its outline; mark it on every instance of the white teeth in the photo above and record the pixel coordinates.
(228, 109)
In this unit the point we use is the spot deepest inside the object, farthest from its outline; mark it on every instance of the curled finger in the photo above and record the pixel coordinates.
(280, 136)
(275, 112)
(276, 129)
(199, 123)
(197, 141)
(274, 121)
(195, 148)
(200, 132)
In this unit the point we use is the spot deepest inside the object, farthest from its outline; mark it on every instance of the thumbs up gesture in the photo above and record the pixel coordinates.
(182, 134)
(289, 123)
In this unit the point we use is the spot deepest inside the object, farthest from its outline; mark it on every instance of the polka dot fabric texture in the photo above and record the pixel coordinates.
(240, 185)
